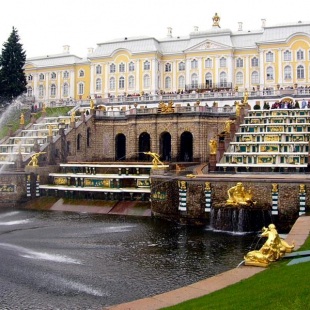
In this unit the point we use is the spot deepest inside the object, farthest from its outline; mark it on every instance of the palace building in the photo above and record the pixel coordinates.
(272, 57)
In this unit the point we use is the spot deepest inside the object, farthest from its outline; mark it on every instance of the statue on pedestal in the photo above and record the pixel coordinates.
(213, 146)
(237, 195)
(34, 159)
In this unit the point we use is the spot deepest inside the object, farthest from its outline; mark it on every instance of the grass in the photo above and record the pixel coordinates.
(278, 287)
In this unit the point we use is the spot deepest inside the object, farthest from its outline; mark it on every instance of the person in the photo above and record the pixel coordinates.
(213, 146)
(303, 104)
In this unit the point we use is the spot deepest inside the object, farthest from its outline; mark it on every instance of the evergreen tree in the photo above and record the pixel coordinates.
(12, 60)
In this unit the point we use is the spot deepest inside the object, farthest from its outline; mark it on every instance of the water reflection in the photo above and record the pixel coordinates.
(53, 260)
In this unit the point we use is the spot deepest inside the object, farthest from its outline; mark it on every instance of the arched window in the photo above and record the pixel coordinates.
(78, 142)
(29, 78)
(287, 72)
(182, 66)
(121, 83)
(53, 90)
(81, 73)
(269, 72)
(181, 82)
(300, 72)
(168, 67)
(41, 91)
(254, 62)
(194, 80)
(287, 56)
(112, 68)
(98, 84)
(112, 83)
(121, 67)
(269, 57)
(239, 78)
(88, 134)
(81, 88)
(53, 75)
(131, 66)
(146, 81)
(254, 77)
(222, 62)
(29, 91)
(131, 82)
(300, 55)
(208, 63)
(223, 79)
(209, 80)
(194, 64)
(98, 69)
(66, 90)
(146, 65)
(239, 63)
(66, 74)
(167, 82)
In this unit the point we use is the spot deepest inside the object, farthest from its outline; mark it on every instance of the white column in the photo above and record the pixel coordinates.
(187, 71)
(137, 86)
(230, 68)
(200, 80)
(58, 85)
(216, 69)
(47, 90)
(72, 85)
(174, 76)
(35, 86)
(247, 72)
(92, 79)
(261, 70)
(280, 69)
(153, 76)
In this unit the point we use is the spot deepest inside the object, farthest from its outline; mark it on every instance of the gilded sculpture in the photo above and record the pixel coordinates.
(272, 250)
(213, 146)
(216, 20)
(166, 108)
(72, 119)
(228, 125)
(182, 185)
(238, 195)
(155, 161)
(22, 119)
(207, 186)
(34, 159)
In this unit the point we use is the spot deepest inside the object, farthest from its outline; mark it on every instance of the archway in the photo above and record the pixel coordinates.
(186, 147)
(120, 147)
(144, 145)
(165, 146)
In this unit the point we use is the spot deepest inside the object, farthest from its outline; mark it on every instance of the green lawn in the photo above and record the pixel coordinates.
(278, 287)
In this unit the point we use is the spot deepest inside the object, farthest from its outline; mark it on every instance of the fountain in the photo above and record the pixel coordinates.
(240, 213)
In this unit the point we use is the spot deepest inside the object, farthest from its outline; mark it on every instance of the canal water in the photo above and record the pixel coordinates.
(57, 260)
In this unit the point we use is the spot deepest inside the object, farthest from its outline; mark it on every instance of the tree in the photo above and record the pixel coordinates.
(12, 60)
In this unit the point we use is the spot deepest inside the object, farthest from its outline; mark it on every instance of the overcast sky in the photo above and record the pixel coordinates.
(45, 26)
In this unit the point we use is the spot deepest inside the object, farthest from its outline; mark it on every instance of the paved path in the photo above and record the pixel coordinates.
(298, 234)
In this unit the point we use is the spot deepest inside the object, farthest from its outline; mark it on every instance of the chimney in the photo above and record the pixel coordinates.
(90, 50)
(66, 49)
(263, 23)
(169, 33)
(195, 28)
(240, 26)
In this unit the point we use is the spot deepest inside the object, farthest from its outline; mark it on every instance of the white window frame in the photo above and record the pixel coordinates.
(98, 84)
(98, 69)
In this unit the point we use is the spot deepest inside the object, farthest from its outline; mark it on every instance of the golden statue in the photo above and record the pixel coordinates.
(72, 119)
(213, 146)
(44, 107)
(91, 104)
(216, 20)
(274, 187)
(50, 130)
(237, 195)
(22, 119)
(302, 188)
(246, 96)
(272, 250)
(207, 186)
(182, 185)
(156, 161)
(34, 159)
(227, 125)
(166, 108)
(238, 109)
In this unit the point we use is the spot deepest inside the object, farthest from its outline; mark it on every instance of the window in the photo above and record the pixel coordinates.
(66, 90)
(300, 55)
(121, 83)
(81, 88)
(131, 66)
(208, 63)
(300, 72)
(269, 57)
(98, 69)
(98, 84)
(41, 77)
(81, 73)
(112, 68)
(53, 75)
(254, 77)
(167, 82)
(121, 67)
(53, 90)
(239, 63)
(223, 79)
(66, 74)
(146, 81)
(254, 62)
(269, 73)
(287, 73)
(131, 82)
(29, 91)
(41, 91)
(29, 78)
(239, 78)
(168, 67)
(146, 65)
(194, 64)
(194, 80)
(112, 83)
(182, 66)
(181, 82)
(222, 62)
(287, 56)
(208, 80)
